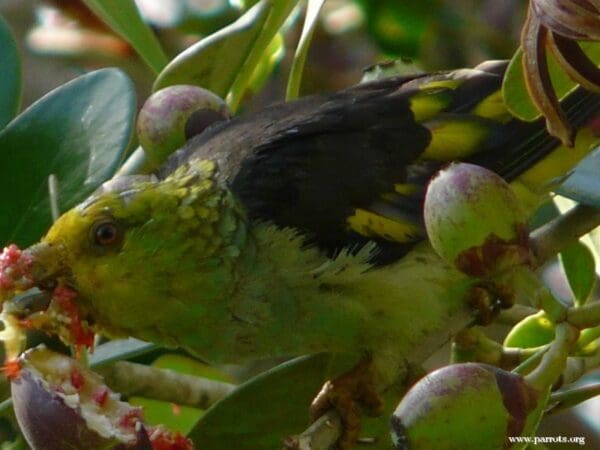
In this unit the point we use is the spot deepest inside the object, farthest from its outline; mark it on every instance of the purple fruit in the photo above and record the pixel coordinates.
(474, 220)
(463, 406)
(60, 404)
(173, 115)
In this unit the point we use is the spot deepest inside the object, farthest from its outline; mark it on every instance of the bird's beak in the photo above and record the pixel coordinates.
(47, 264)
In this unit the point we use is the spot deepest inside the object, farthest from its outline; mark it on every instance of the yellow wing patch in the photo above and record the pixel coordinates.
(452, 83)
(551, 171)
(406, 188)
(493, 107)
(429, 102)
(369, 224)
(454, 138)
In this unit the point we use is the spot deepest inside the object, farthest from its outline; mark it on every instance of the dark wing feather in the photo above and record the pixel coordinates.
(351, 167)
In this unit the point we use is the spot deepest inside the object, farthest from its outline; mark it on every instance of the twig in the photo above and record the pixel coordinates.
(549, 239)
(571, 397)
(554, 360)
(163, 384)
(579, 366)
(322, 434)
(585, 316)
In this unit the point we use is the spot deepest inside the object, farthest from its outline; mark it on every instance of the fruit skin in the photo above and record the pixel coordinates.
(50, 393)
(174, 114)
(474, 220)
(47, 423)
(464, 407)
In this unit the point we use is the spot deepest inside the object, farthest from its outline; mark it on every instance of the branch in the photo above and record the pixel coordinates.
(163, 384)
(585, 316)
(552, 237)
(322, 434)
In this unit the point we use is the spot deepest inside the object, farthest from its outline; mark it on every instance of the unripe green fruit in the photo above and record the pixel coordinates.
(463, 407)
(473, 219)
(173, 115)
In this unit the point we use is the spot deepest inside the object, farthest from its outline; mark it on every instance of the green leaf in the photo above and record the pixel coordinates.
(78, 132)
(124, 18)
(179, 418)
(119, 349)
(578, 264)
(583, 185)
(10, 75)
(515, 91)
(533, 331)
(284, 393)
(398, 27)
(260, 413)
(225, 61)
(272, 55)
(310, 21)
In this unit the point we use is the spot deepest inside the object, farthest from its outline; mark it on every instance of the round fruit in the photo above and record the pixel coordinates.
(473, 219)
(463, 406)
(173, 115)
(60, 404)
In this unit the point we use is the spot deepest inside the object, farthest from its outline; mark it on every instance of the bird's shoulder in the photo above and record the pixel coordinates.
(350, 167)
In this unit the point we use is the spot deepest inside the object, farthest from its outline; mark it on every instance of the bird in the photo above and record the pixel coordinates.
(298, 229)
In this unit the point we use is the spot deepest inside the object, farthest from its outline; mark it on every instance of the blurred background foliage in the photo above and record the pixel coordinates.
(60, 38)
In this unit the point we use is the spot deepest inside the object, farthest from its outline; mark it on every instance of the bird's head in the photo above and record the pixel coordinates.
(140, 245)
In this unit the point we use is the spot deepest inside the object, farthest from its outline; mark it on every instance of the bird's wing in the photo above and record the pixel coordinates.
(352, 166)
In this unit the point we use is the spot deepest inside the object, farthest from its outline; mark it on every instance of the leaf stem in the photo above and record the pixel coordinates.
(555, 359)
(548, 240)
(568, 398)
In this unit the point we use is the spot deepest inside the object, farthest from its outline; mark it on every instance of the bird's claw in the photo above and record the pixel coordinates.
(350, 394)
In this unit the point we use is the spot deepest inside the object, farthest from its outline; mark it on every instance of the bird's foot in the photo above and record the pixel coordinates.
(349, 394)
(488, 300)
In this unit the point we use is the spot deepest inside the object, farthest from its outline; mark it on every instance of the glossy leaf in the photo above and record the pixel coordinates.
(10, 75)
(260, 413)
(119, 349)
(267, 408)
(533, 331)
(578, 264)
(584, 183)
(310, 22)
(225, 61)
(124, 18)
(515, 91)
(272, 55)
(78, 132)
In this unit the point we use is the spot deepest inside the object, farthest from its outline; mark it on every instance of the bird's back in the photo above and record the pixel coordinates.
(351, 167)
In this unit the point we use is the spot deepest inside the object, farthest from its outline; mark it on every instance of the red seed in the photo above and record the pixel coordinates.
(130, 418)
(100, 396)
(163, 439)
(77, 379)
(12, 368)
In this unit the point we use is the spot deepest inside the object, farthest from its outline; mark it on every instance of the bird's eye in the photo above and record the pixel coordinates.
(106, 233)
